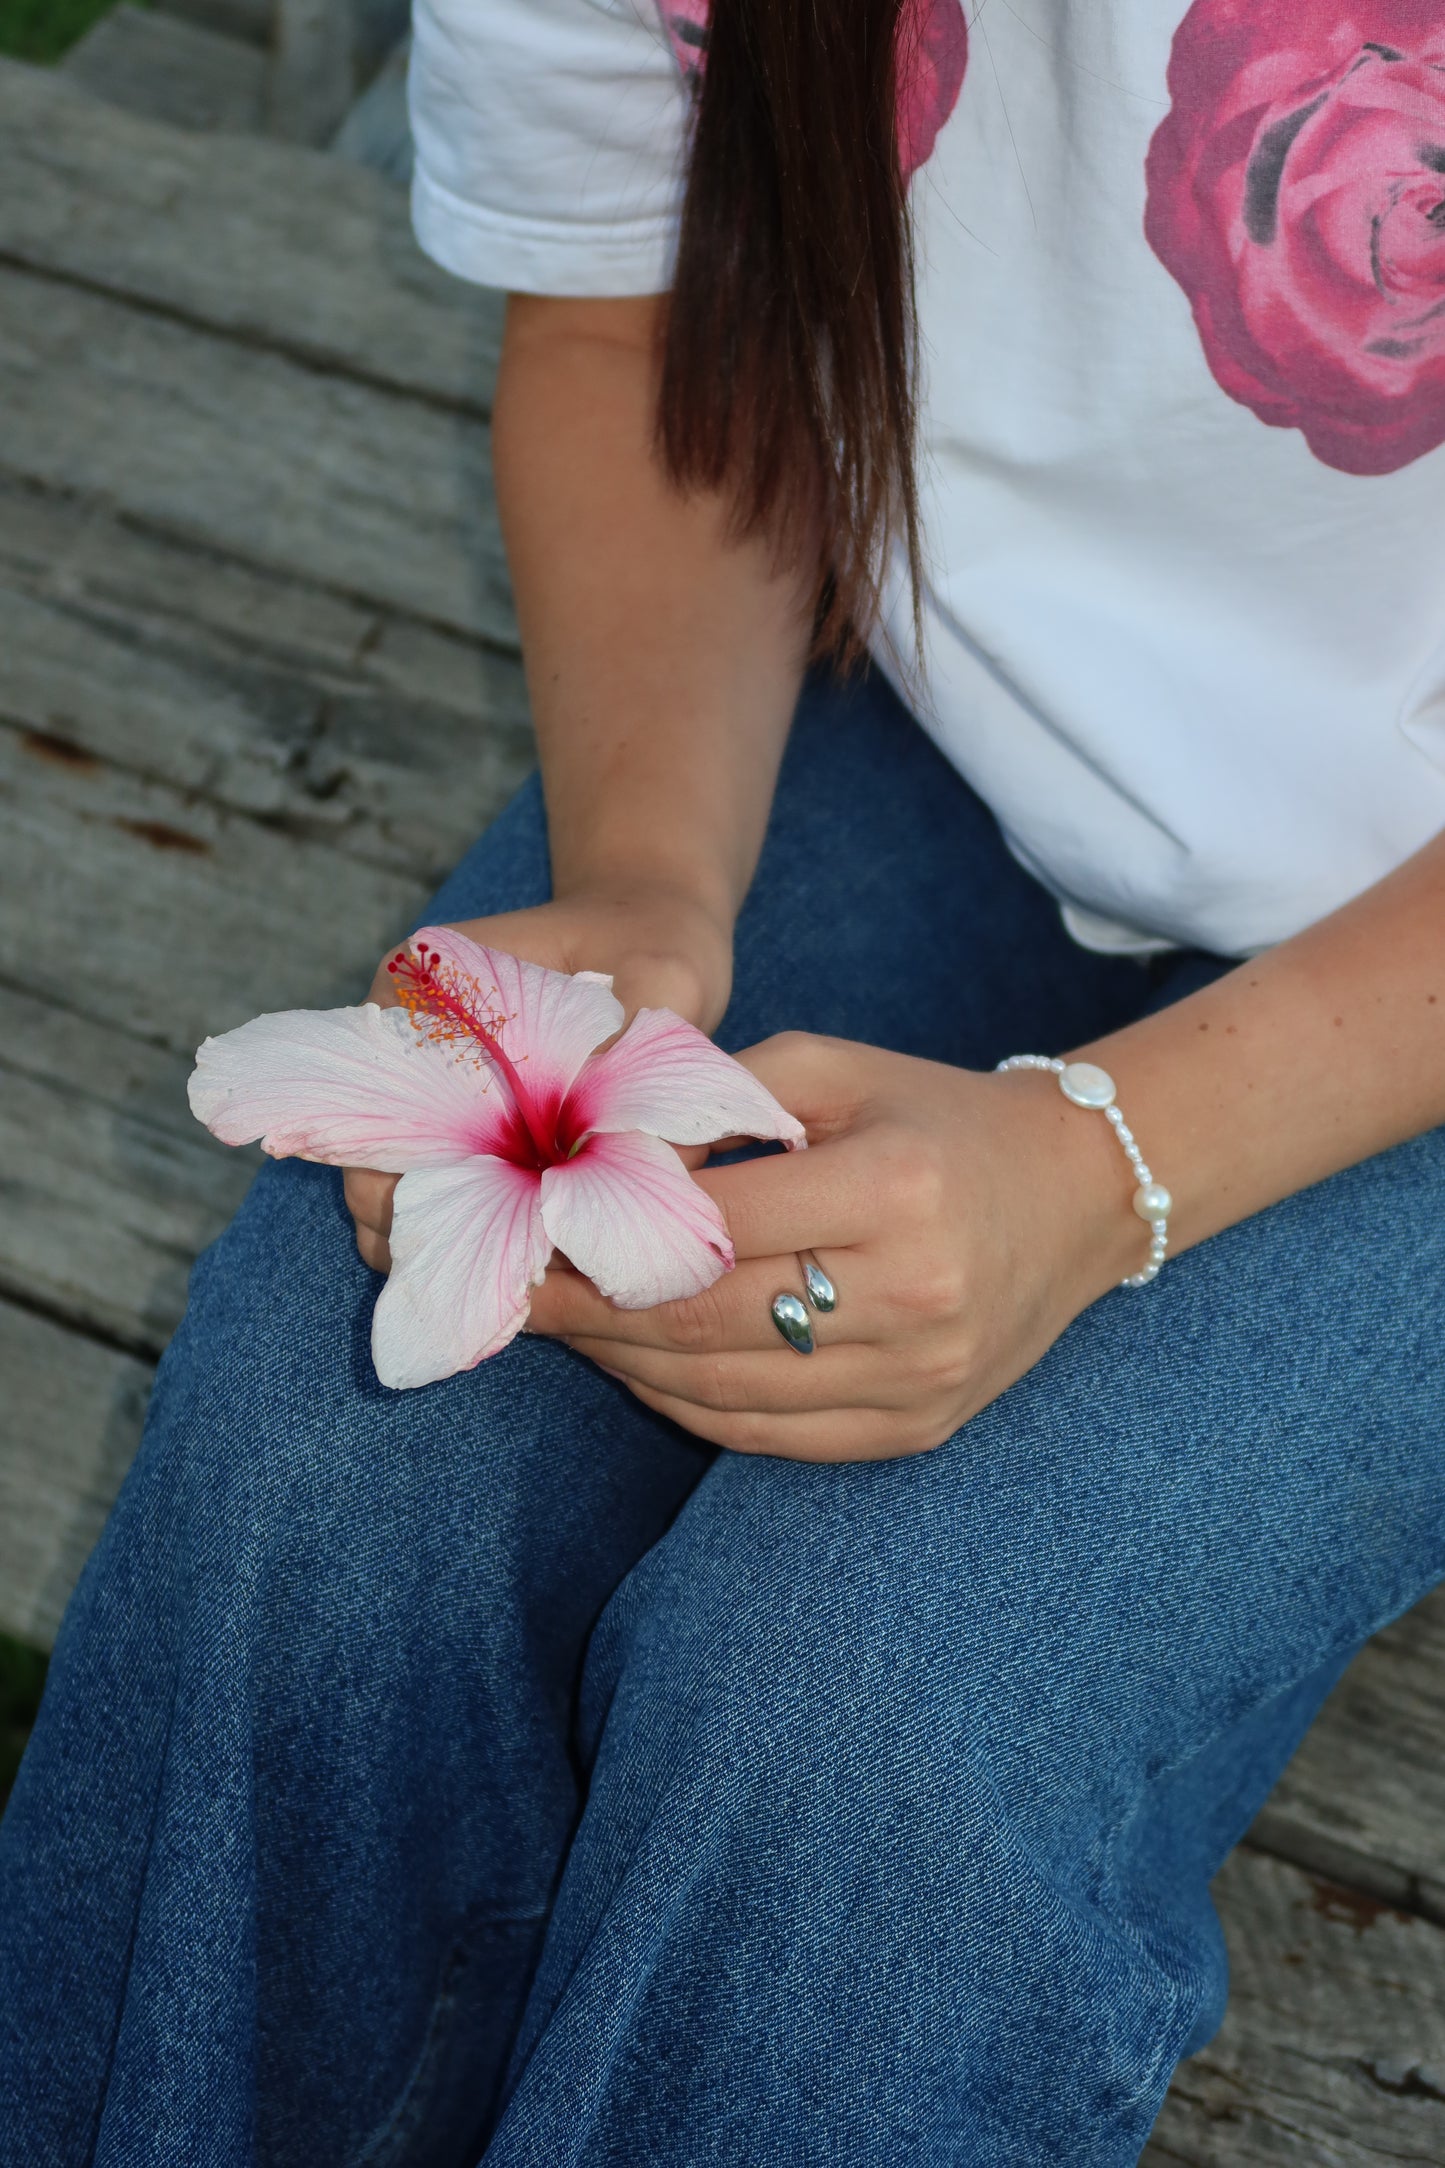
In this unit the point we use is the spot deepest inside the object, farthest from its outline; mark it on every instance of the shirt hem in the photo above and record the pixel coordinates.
(533, 257)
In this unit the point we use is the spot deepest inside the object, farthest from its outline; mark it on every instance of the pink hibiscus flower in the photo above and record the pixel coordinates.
(1297, 193)
(511, 1133)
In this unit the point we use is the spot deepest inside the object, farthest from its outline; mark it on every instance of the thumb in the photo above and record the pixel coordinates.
(822, 1082)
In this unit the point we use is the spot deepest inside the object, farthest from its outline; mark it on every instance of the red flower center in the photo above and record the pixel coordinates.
(454, 1011)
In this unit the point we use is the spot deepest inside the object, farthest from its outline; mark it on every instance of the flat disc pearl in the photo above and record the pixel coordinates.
(1152, 1201)
(1086, 1085)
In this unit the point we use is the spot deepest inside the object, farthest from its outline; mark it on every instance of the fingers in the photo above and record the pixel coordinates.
(775, 1382)
(732, 1316)
(823, 1434)
(820, 1199)
(368, 1200)
(824, 1082)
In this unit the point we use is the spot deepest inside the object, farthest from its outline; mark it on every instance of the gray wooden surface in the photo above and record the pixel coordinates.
(167, 69)
(312, 78)
(248, 20)
(1332, 2054)
(308, 257)
(258, 679)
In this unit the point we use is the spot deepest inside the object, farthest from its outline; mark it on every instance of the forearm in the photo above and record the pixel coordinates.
(663, 660)
(1308, 1058)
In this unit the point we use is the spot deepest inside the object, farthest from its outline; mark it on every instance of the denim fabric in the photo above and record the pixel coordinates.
(493, 1771)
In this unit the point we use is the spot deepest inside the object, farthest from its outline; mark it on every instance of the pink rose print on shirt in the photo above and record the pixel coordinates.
(1296, 191)
(932, 57)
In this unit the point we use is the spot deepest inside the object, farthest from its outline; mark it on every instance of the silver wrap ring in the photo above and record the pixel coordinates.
(821, 1292)
(790, 1312)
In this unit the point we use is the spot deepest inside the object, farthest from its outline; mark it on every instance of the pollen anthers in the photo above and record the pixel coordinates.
(444, 1005)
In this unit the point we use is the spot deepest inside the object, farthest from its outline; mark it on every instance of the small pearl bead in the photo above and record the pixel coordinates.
(1152, 1201)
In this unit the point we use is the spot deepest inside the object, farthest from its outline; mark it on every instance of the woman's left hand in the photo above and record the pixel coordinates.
(964, 1220)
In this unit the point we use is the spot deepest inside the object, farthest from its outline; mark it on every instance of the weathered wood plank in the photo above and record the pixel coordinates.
(168, 70)
(1364, 1799)
(332, 481)
(379, 770)
(249, 20)
(312, 81)
(205, 722)
(170, 918)
(69, 1421)
(305, 253)
(110, 1187)
(71, 549)
(1332, 2054)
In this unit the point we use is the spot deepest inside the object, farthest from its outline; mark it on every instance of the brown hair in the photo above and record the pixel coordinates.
(788, 359)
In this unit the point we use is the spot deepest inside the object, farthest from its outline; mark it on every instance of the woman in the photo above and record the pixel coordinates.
(651, 1747)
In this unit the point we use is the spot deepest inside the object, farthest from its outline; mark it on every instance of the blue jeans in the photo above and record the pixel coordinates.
(492, 1771)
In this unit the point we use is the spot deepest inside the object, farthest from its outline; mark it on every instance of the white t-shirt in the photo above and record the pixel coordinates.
(1182, 304)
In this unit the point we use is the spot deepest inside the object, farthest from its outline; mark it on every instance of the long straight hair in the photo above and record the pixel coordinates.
(787, 369)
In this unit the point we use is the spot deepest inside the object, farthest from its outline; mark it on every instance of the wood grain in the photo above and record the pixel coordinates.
(168, 917)
(334, 482)
(155, 65)
(70, 548)
(306, 254)
(312, 81)
(110, 1185)
(1332, 2053)
(1364, 1799)
(359, 755)
(248, 20)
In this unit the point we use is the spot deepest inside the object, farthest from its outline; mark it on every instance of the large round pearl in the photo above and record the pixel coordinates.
(1086, 1085)
(1152, 1201)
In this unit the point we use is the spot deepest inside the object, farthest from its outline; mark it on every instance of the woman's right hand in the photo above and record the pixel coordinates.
(663, 949)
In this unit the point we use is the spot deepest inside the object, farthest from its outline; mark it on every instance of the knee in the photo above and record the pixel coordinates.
(831, 1732)
(297, 1473)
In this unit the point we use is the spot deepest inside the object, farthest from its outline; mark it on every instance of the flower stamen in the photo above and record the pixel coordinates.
(450, 1009)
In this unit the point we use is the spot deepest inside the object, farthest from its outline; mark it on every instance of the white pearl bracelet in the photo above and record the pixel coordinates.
(1088, 1086)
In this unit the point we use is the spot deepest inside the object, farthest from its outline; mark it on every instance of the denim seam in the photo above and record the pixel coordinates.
(401, 2123)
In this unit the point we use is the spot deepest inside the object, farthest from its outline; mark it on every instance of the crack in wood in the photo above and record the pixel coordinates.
(319, 362)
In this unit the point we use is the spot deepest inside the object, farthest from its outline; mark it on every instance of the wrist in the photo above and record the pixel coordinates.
(666, 945)
(693, 896)
(1095, 1236)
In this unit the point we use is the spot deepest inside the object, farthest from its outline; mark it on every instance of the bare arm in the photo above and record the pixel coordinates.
(1316, 1054)
(663, 662)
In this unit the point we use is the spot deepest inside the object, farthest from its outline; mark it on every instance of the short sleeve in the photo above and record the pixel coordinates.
(550, 139)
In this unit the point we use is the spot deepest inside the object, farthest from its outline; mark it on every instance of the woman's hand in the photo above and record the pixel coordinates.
(663, 948)
(964, 1219)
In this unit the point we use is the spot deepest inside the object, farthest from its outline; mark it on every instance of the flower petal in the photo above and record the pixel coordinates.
(354, 1087)
(467, 1248)
(628, 1214)
(546, 1023)
(665, 1076)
